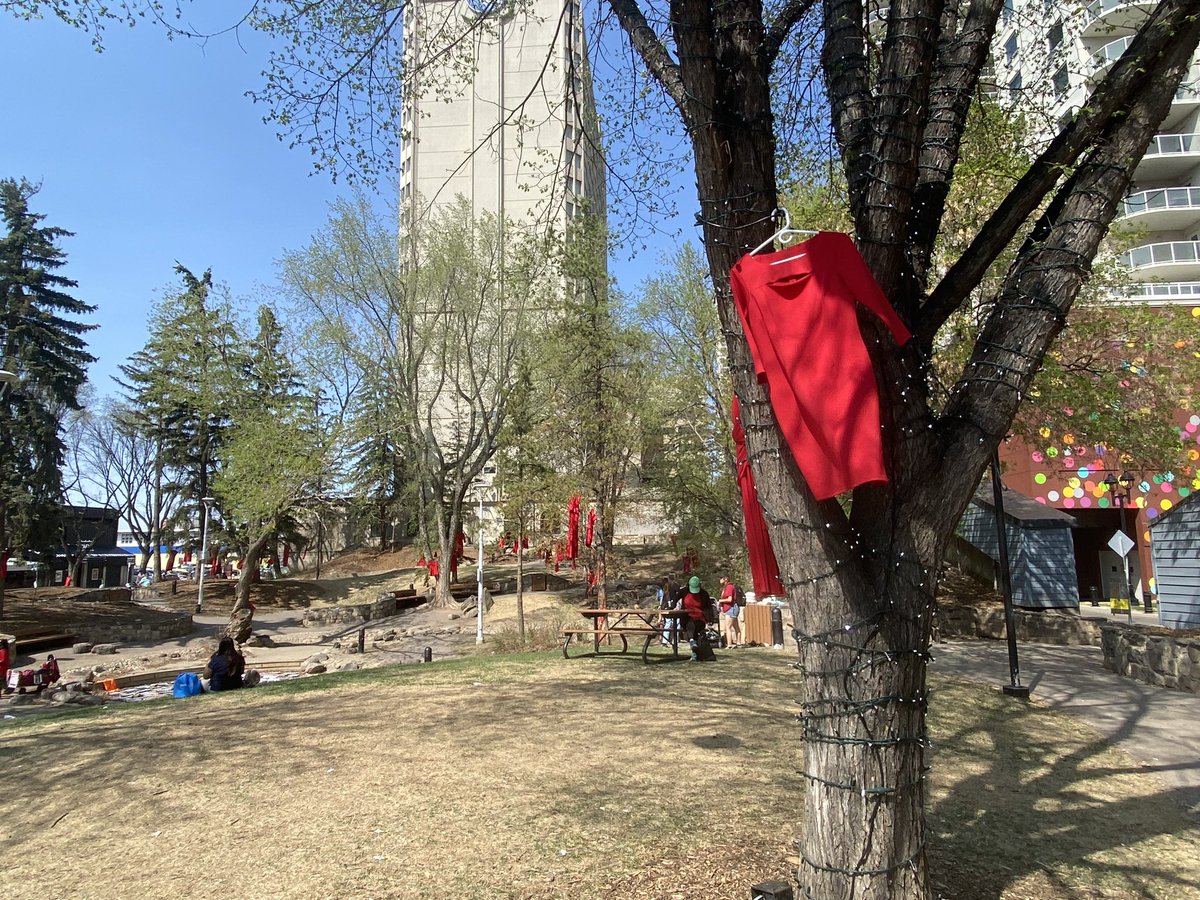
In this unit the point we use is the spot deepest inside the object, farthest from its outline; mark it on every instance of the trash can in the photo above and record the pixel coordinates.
(776, 626)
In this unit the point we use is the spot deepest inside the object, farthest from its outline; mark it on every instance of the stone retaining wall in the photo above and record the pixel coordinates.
(163, 628)
(351, 613)
(1047, 627)
(1158, 659)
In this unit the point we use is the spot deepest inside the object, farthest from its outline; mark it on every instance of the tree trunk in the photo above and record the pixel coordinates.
(250, 563)
(521, 576)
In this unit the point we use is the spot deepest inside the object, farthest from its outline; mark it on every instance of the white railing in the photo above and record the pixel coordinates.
(1173, 143)
(1098, 8)
(1164, 290)
(1111, 52)
(1163, 198)
(1189, 90)
(1162, 254)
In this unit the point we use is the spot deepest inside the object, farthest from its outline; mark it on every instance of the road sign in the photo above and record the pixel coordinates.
(1120, 543)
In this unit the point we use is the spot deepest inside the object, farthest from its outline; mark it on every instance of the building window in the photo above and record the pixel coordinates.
(1007, 13)
(1010, 49)
(1014, 86)
(1061, 81)
(1055, 38)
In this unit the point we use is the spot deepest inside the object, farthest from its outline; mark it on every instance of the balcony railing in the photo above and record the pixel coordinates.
(1164, 290)
(1189, 90)
(1163, 198)
(1111, 52)
(1174, 143)
(1098, 8)
(1162, 254)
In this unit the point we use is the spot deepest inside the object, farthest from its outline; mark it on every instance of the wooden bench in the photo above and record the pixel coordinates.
(649, 633)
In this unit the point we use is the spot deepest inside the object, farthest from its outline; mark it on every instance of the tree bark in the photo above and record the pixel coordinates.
(250, 565)
(861, 586)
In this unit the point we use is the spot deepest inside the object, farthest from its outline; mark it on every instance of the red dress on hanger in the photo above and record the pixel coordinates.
(798, 307)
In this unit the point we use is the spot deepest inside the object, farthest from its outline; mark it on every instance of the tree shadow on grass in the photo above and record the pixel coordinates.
(1017, 795)
(1020, 795)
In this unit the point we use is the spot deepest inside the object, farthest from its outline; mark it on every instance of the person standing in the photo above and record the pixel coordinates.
(5, 665)
(697, 606)
(732, 601)
(667, 600)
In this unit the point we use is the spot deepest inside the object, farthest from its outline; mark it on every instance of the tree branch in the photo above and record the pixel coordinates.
(1052, 265)
(1124, 85)
(789, 17)
(961, 56)
(653, 52)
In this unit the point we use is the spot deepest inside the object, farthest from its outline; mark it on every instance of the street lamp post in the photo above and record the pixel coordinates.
(1121, 489)
(479, 576)
(205, 502)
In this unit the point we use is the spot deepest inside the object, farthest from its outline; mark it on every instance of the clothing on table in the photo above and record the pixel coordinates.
(799, 309)
(764, 568)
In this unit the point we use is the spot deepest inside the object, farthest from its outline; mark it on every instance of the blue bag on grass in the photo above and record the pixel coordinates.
(187, 684)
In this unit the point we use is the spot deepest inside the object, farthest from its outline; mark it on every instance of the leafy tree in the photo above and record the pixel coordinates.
(693, 471)
(436, 342)
(595, 368)
(860, 574)
(43, 346)
(274, 455)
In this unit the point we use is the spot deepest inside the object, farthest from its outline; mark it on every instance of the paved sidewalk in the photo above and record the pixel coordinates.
(1158, 727)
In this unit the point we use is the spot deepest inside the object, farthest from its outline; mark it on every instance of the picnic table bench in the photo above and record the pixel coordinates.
(622, 623)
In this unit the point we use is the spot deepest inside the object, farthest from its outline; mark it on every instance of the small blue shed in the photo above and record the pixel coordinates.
(1175, 550)
(1041, 551)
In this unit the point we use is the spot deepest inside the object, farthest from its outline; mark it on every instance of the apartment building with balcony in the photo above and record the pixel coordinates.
(1047, 57)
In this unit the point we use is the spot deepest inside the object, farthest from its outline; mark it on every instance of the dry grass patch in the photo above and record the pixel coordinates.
(535, 777)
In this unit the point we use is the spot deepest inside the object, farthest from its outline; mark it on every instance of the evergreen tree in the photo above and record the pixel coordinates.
(185, 380)
(273, 455)
(44, 347)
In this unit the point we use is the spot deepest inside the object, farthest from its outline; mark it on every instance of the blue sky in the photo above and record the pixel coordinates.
(151, 153)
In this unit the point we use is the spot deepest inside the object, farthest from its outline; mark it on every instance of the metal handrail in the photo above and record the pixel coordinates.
(1174, 143)
(1111, 51)
(1162, 198)
(1182, 289)
(1161, 254)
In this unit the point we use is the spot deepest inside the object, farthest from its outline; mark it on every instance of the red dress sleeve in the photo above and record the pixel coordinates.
(861, 285)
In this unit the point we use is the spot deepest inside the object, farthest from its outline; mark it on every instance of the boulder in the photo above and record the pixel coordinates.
(313, 668)
(104, 649)
(82, 647)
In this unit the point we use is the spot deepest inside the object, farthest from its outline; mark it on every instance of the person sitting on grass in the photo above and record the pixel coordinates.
(226, 667)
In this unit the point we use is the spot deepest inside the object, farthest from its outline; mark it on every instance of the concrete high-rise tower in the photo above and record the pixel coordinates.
(500, 110)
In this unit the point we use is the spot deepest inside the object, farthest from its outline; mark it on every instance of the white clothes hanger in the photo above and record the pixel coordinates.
(784, 235)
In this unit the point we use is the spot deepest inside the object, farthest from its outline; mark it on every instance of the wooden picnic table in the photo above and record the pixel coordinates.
(621, 623)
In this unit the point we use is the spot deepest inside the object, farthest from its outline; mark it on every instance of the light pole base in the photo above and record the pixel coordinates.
(1016, 690)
